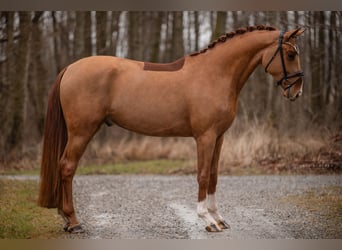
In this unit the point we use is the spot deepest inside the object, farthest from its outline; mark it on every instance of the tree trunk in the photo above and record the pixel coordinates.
(284, 20)
(101, 27)
(168, 38)
(134, 43)
(5, 84)
(114, 32)
(177, 35)
(321, 59)
(56, 43)
(338, 63)
(19, 85)
(37, 85)
(87, 34)
(197, 34)
(220, 26)
(82, 35)
(315, 68)
(155, 36)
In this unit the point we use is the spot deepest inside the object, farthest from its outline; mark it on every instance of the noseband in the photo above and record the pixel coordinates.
(286, 76)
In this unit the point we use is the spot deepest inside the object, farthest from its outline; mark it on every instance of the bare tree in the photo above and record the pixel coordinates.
(114, 32)
(177, 35)
(38, 75)
(101, 28)
(220, 26)
(82, 35)
(19, 85)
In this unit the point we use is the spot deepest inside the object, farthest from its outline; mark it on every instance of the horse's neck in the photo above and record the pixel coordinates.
(235, 60)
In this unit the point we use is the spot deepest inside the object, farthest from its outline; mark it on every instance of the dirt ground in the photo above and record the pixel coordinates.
(164, 207)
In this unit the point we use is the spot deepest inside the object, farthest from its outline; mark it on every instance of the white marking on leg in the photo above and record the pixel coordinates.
(212, 208)
(203, 213)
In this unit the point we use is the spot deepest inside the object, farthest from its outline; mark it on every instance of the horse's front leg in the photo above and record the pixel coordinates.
(205, 152)
(211, 200)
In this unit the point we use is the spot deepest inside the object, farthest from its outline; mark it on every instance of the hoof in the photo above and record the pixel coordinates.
(213, 228)
(75, 229)
(66, 226)
(223, 225)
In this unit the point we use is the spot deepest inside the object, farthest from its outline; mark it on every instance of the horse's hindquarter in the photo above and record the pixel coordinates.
(84, 91)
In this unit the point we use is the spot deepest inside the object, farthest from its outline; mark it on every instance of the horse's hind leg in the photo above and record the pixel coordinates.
(74, 149)
(211, 199)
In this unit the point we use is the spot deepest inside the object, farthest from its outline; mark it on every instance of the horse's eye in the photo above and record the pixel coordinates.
(291, 56)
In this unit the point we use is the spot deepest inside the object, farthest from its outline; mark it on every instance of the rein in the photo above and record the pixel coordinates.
(286, 76)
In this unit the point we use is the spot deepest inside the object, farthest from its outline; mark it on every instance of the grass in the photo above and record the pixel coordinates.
(159, 167)
(30, 172)
(20, 217)
(324, 207)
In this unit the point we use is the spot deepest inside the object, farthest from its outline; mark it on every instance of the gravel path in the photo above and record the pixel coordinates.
(164, 207)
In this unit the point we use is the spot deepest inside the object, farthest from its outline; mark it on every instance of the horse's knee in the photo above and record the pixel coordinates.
(203, 182)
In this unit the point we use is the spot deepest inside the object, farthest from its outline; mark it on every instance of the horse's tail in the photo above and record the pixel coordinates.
(54, 141)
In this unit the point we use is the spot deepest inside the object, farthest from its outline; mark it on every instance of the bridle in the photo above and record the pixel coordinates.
(286, 76)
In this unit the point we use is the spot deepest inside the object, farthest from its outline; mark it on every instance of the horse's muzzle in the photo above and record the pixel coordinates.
(293, 98)
(293, 90)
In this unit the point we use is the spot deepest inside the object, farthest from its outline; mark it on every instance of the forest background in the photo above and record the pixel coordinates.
(269, 132)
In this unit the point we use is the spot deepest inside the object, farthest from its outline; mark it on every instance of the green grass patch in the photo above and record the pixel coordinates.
(20, 217)
(30, 172)
(158, 167)
(324, 207)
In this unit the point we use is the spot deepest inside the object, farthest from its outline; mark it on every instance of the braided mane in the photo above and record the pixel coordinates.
(230, 35)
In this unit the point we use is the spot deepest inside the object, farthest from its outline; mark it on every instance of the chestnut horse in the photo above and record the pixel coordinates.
(196, 96)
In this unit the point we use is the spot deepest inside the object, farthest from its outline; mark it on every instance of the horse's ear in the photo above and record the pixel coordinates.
(294, 33)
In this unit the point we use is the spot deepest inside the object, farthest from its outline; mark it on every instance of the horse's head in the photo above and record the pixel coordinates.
(282, 62)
